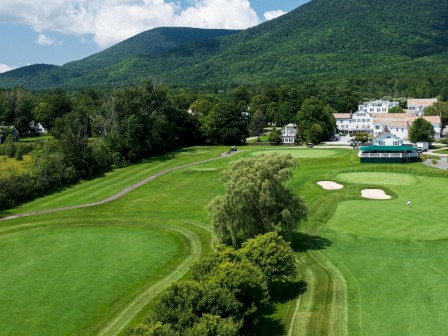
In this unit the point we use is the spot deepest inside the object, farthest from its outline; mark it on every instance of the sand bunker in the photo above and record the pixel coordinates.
(374, 194)
(330, 185)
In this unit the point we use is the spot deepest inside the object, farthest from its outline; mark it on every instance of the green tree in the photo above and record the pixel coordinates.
(275, 136)
(421, 130)
(213, 325)
(396, 109)
(9, 147)
(256, 200)
(313, 134)
(273, 255)
(183, 304)
(257, 123)
(19, 152)
(438, 109)
(314, 111)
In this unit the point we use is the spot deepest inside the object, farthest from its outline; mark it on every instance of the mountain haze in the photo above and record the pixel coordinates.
(319, 40)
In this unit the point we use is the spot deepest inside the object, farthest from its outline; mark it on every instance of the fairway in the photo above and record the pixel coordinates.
(300, 153)
(60, 279)
(392, 219)
(378, 178)
(372, 267)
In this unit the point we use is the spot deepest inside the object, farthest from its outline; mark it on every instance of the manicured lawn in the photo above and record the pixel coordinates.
(441, 151)
(299, 152)
(371, 267)
(58, 280)
(118, 179)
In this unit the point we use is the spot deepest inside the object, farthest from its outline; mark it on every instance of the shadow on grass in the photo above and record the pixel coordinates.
(302, 242)
(266, 321)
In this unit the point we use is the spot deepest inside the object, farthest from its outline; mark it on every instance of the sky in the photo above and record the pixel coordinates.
(60, 31)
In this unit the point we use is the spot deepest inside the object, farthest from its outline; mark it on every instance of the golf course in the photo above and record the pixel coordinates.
(90, 259)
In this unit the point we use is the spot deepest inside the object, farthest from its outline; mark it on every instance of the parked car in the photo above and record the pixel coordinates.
(309, 145)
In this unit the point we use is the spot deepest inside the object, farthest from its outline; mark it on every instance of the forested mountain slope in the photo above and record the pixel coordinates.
(323, 39)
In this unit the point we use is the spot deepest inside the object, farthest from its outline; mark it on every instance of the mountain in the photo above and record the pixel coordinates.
(320, 40)
(104, 64)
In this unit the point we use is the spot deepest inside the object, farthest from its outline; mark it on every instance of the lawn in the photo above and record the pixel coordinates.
(59, 276)
(441, 151)
(371, 267)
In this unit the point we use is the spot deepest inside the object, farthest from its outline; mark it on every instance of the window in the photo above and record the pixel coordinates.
(377, 127)
(381, 143)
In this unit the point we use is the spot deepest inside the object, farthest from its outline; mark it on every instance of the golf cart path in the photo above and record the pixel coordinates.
(119, 194)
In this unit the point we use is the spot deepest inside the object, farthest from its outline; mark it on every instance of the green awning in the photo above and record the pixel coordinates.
(387, 148)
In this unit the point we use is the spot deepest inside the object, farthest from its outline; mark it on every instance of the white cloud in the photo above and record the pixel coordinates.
(273, 14)
(111, 21)
(5, 68)
(43, 39)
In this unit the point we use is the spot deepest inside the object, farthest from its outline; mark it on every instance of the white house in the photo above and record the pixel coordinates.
(399, 123)
(377, 106)
(5, 130)
(38, 128)
(416, 106)
(289, 134)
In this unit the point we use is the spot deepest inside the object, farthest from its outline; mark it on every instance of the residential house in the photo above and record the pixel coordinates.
(417, 106)
(377, 106)
(387, 148)
(6, 130)
(399, 123)
(38, 127)
(290, 134)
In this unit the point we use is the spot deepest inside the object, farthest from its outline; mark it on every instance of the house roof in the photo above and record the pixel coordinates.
(10, 128)
(386, 135)
(387, 148)
(421, 102)
(342, 115)
(394, 119)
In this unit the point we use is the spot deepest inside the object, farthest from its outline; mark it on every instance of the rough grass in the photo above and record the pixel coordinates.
(12, 163)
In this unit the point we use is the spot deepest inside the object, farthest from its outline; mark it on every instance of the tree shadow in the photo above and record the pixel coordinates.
(302, 242)
(266, 321)
(282, 292)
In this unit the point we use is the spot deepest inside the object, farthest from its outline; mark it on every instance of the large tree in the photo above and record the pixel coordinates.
(256, 200)
(438, 109)
(421, 130)
(314, 111)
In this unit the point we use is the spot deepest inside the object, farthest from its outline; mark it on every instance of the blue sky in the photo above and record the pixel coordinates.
(57, 32)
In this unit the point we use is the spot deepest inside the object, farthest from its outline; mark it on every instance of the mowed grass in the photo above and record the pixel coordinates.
(385, 282)
(167, 227)
(393, 219)
(298, 153)
(113, 182)
(59, 280)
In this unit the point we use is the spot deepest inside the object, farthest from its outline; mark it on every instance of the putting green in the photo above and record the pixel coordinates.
(57, 281)
(393, 219)
(377, 178)
(299, 152)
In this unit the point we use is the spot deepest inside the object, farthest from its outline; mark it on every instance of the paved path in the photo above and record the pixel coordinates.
(118, 195)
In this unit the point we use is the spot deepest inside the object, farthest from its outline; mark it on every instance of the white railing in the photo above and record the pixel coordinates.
(387, 155)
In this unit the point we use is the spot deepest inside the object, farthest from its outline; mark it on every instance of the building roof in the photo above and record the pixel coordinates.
(399, 119)
(421, 102)
(386, 135)
(387, 148)
(342, 115)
